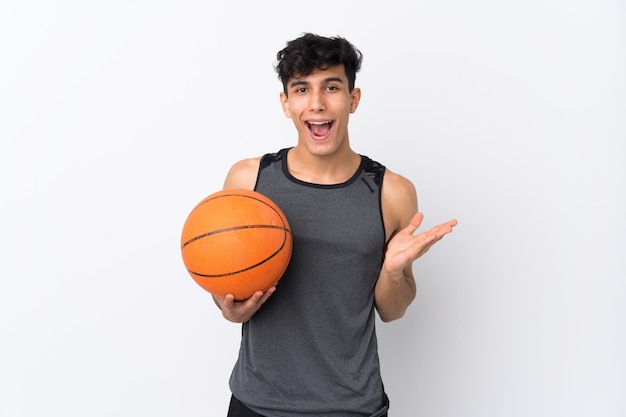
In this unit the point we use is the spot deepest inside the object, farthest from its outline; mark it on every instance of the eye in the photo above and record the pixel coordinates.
(301, 90)
(332, 88)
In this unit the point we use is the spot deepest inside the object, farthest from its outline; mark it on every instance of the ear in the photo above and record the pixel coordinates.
(355, 98)
(284, 102)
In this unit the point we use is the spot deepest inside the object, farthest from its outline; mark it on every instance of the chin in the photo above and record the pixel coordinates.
(323, 148)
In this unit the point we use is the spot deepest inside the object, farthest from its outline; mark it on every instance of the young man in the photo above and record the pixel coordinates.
(309, 344)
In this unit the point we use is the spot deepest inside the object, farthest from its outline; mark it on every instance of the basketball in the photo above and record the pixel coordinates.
(236, 242)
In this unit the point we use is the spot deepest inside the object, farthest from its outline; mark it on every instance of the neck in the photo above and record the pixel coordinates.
(331, 169)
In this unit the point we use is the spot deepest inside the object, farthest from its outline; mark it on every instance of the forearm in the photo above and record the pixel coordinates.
(393, 294)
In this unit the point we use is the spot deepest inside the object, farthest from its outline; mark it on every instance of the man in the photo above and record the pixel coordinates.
(309, 344)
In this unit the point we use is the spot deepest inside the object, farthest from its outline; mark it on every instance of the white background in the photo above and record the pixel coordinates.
(117, 117)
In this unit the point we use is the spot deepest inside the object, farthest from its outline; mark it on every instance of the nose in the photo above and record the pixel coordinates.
(316, 103)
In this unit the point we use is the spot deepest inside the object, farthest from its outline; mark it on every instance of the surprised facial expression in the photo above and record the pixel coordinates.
(320, 105)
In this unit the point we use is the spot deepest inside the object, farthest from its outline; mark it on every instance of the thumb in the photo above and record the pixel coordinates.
(415, 222)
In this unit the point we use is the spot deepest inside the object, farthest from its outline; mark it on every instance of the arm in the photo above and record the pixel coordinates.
(242, 175)
(395, 289)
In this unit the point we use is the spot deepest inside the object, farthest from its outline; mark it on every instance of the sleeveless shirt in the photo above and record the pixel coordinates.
(311, 349)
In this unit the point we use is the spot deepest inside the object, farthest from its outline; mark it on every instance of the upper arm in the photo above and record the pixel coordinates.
(399, 205)
(399, 202)
(243, 174)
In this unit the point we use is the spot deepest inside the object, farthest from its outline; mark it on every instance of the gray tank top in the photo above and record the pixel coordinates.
(311, 349)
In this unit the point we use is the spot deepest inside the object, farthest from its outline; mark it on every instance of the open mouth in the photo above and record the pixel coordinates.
(319, 129)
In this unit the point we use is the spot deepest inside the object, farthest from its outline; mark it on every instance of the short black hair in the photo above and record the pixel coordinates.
(311, 52)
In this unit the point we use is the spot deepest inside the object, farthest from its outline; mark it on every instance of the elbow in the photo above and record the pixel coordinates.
(395, 310)
(389, 316)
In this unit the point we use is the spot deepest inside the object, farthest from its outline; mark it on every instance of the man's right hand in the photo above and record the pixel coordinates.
(241, 311)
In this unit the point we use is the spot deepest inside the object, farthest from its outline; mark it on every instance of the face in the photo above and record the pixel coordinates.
(320, 105)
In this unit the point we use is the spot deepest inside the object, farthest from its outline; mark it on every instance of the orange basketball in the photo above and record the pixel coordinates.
(236, 242)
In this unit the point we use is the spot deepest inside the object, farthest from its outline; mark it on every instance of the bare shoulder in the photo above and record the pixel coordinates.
(243, 174)
(399, 202)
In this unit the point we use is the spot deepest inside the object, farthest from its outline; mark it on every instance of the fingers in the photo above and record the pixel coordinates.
(424, 241)
(241, 311)
(443, 229)
(258, 298)
(438, 230)
(228, 301)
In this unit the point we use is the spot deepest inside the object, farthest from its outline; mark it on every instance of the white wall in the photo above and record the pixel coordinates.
(117, 117)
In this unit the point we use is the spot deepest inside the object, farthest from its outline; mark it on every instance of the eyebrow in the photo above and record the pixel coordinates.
(326, 81)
